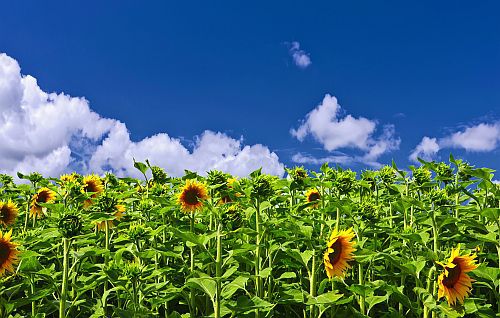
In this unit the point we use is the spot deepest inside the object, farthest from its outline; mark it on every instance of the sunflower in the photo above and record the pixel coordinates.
(68, 178)
(120, 208)
(8, 213)
(44, 195)
(93, 184)
(312, 195)
(454, 283)
(339, 253)
(231, 181)
(192, 196)
(8, 253)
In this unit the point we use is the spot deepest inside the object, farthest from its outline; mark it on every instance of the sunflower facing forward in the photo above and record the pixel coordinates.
(120, 208)
(8, 213)
(192, 196)
(93, 184)
(8, 253)
(454, 283)
(44, 195)
(339, 253)
(312, 195)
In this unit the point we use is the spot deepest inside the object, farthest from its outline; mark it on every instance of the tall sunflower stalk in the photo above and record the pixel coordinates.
(314, 197)
(69, 226)
(218, 273)
(64, 287)
(261, 190)
(258, 229)
(191, 199)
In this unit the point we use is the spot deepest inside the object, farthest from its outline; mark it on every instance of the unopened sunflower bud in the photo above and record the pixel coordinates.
(262, 187)
(444, 172)
(159, 175)
(70, 226)
(137, 232)
(421, 175)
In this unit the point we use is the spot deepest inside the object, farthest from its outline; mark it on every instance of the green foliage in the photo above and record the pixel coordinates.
(256, 247)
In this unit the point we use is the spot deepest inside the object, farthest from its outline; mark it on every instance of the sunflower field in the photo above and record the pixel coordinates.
(422, 242)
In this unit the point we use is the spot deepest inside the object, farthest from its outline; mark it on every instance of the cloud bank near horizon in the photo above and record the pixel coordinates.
(482, 137)
(54, 133)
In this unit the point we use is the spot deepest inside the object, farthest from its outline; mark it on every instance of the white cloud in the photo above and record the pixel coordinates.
(300, 57)
(55, 133)
(482, 137)
(308, 159)
(327, 127)
(384, 143)
(426, 149)
(211, 151)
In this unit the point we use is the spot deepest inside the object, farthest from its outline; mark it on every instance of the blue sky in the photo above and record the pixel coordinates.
(419, 69)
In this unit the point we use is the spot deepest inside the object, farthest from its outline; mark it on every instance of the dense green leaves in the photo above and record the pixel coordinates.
(255, 247)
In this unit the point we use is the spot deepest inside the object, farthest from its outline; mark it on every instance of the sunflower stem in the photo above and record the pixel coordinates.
(218, 273)
(435, 230)
(134, 296)
(33, 303)
(400, 304)
(391, 224)
(191, 265)
(258, 279)
(322, 226)
(337, 221)
(64, 287)
(270, 282)
(429, 284)
(26, 217)
(361, 282)
(312, 284)
(106, 247)
(405, 210)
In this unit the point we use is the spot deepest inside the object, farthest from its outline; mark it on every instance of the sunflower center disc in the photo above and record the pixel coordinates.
(337, 251)
(42, 197)
(4, 252)
(191, 197)
(453, 276)
(313, 197)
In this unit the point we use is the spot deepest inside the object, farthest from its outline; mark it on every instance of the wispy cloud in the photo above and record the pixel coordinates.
(300, 57)
(308, 159)
(53, 133)
(325, 124)
(482, 137)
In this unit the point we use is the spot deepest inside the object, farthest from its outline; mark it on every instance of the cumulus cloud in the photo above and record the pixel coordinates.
(53, 133)
(479, 138)
(482, 137)
(426, 149)
(300, 57)
(326, 125)
(211, 151)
